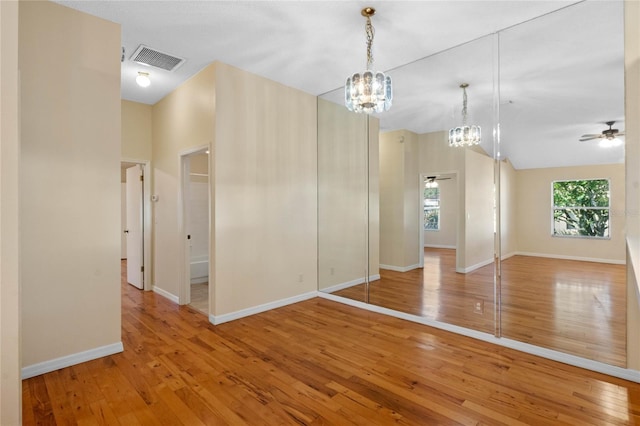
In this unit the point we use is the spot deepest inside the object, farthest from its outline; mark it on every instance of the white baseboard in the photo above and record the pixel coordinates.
(219, 319)
(351, 283)
(439, 246)
(199, 280)
(508, 255)
(563, 257)
(600, 367)
(165, 293)
(69, 360)
(474, 267)
(400, 268)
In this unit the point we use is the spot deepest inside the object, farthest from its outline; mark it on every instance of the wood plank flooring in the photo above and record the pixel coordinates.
(570, 306)
(315, 362)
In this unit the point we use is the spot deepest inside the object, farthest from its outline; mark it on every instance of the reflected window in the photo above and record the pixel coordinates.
(581, 208)
(432, 209)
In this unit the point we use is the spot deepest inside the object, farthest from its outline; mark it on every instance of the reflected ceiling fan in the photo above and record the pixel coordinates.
(430, 181)
(609, 136)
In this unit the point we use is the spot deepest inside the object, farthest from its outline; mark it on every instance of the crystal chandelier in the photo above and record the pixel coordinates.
(369, 91)
(464, 135)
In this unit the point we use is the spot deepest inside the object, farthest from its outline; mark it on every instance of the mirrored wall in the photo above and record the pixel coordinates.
(510, 237)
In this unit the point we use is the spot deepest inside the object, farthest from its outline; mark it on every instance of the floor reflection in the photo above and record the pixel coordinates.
(436, 292)
(570, 306)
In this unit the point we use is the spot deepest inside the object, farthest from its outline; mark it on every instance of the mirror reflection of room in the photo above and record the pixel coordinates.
(459, 226)
(563, 198)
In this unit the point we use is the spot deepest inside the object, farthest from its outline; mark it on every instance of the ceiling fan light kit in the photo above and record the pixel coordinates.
(368, 91)
(464, 135)
(609, 136)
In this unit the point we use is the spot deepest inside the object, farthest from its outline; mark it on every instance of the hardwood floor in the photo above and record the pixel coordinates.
(315, 362)
(570, 306)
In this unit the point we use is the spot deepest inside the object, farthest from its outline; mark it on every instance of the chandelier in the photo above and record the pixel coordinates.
(464, 135)
(369, 91)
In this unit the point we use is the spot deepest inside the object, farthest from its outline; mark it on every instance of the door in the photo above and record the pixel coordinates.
(133, 231)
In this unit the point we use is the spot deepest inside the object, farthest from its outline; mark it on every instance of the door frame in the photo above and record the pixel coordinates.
(146, 219)
(422, 176)
(184, 278)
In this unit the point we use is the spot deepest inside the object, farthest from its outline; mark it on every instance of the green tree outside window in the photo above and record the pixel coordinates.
(581, 208)
(432, 209)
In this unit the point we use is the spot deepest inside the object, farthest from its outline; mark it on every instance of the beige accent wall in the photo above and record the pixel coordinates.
(199, 168)
(508, 209)
(342, 196)
(10, 345)
(534, 213)
(399, 200)
(136, 131)
(479, 210)
(632, 153)
(265, 190)
(262, 139)
(183, 120)
(474, 169)
(69, 178)
(435, 157)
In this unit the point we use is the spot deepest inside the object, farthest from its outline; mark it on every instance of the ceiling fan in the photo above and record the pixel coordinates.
(608, 134)
(430, 181)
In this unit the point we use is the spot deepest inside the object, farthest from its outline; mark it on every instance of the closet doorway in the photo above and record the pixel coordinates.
(195, 201)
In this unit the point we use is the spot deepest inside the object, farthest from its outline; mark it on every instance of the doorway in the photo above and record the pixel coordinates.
(135, 222)
(195, 201)
(439, 202)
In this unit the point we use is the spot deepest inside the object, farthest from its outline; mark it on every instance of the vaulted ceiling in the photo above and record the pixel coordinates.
(560, 75)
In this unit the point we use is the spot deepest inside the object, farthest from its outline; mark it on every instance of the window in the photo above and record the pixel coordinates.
(432, 209)
(581, 208)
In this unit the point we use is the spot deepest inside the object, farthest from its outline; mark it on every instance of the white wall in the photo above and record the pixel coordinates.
(70, 178)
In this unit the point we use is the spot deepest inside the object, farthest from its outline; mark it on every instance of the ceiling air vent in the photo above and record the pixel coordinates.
(146, 56)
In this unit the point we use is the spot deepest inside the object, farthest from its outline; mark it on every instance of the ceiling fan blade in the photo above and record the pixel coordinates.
(620, 134)
(590, 137)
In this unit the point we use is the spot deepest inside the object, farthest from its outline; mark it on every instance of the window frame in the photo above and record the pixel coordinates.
(554, 208)
(439, 209)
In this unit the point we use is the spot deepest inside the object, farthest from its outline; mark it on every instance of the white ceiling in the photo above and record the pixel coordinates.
(314, 45)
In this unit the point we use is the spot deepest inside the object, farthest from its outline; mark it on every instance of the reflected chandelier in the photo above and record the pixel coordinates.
(369, 91)
(464, 135)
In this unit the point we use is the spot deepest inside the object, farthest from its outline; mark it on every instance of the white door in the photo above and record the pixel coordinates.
(134, 227)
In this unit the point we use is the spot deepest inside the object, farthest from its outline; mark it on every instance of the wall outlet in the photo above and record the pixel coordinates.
(300, 278)
(332, 271)
(478, 306)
